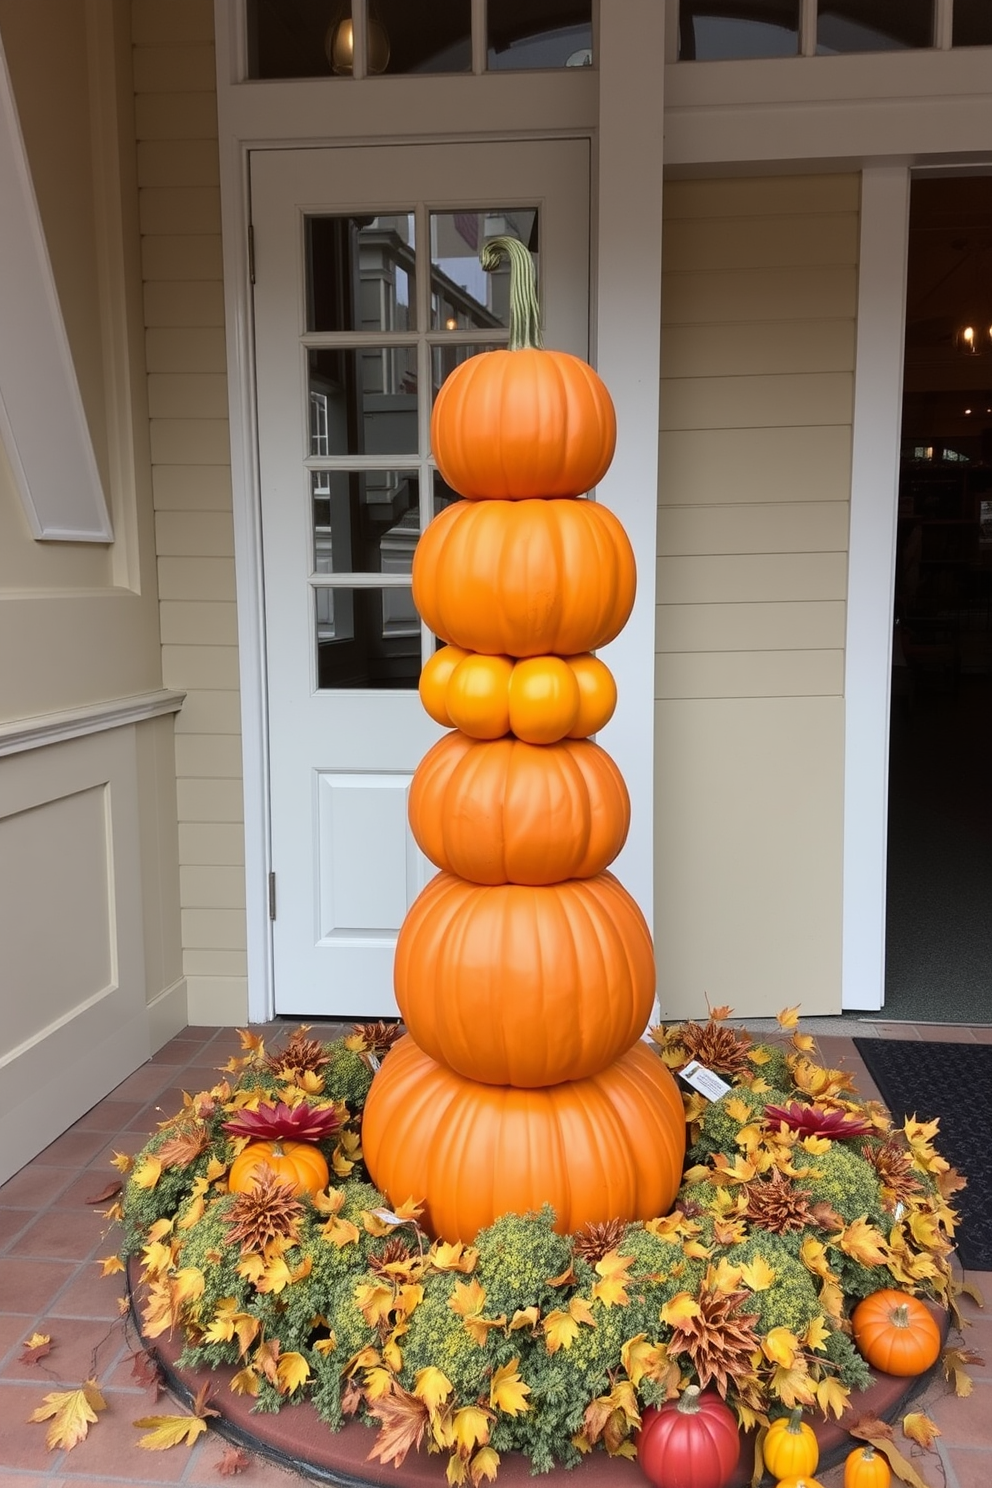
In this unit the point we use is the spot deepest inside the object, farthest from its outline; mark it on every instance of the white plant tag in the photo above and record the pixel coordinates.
(704, 1080)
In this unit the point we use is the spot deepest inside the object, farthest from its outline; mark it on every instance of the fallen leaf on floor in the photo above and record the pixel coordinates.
(72, 1413)
(233, 1461)
(35, 1348)
(920, 1428)
(163, 1432)
(954, 1360)
(110, 1191)
(146, 1371)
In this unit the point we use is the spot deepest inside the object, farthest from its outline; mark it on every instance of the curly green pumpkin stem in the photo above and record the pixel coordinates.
(689, 1402)
(525, 313)
(795, 1425)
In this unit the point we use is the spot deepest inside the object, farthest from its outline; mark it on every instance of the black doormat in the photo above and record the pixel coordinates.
(952, 1082)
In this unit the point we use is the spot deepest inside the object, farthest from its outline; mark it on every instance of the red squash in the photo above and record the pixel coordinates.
(693, 1442)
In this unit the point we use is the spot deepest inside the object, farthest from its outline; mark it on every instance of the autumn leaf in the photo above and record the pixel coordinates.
(720, 1014)
(507, 1390)
(470, 1429)
(148, 1174)
(35, 1348)
(757, 1274)
(682, 1305)
(788, 1017)
(146, 1371)
(920, 1429)
(832, 1396)
(780, 1346)
(109, 1191)
(525, 1317)
(72, 1413)
(184, 1148)
(457, 1257)
(816, 1334)
(468, 1298)
(233, 1461)
(109, 1265)
(292, 1371)
(163, 1432)
(954, 1360)
(404, 1419)
(613, 1270)
(484, 1464)
(432, 1386)
(862, 1242)
(560, 1331)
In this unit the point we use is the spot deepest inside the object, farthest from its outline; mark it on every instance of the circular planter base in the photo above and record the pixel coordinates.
(295, 1437)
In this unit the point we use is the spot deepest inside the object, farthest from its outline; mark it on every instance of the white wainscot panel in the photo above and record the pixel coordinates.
(369, 868)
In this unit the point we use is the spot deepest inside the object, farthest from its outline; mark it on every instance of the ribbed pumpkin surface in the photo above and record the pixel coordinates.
(509, 812)
(598, 1149)
(528, 423)
(525, 578)
(515, 985)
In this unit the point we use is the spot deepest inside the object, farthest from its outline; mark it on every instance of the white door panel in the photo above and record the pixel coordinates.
(367, 291)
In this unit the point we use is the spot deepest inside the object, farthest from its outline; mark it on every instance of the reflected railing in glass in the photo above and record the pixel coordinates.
(527, 34)
(464, 297)
(364, 521)
(363, 400)
(361, 273)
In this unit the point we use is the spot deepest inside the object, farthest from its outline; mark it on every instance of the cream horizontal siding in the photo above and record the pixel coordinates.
(179, 215)
(759, 292)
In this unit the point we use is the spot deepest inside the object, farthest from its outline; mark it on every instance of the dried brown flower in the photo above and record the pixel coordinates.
(719, 1340)
(394, 1252)
(894, 1166)
(378, 1038)
(184, 1146)
(773, 1203)
(717, 1046)
(593, 1240)
(300, 1054)
(268, 1212)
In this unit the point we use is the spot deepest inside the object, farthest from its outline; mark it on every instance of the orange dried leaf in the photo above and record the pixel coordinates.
(920, 1429)
(788, 1017)
(109, 1191)
(35, 1348)
(233, 1461)
(404, 1420)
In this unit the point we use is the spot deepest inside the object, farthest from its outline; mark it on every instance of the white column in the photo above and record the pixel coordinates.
(871, 575)
(627, 318)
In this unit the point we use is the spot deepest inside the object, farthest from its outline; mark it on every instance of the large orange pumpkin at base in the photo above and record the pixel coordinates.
(508, 812)
(610, 1147)
(523, 986)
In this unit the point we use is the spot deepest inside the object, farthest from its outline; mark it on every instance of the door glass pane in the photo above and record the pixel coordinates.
(873, 25)
(972, 23)
(364, 521)
(444, 360)
(363, 401)
(443, 494)
(366, 638)
(423, 38)
(539, 33)
(463, 295)
(719, 30)
(360, 273)
(286, 38)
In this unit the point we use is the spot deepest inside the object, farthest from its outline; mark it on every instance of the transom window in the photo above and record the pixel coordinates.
(723, 30)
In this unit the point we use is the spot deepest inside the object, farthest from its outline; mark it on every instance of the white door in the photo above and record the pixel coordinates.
(368, 291)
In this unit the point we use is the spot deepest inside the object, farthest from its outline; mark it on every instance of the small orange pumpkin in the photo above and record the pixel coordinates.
(525, 578)
(510, 812)
(597, 695)
(866, 1468)
(543, 699)
(524, 422)
(513, 985)
(299, 1163)
(477, 698)
(896, 1332)
(610, 1147)
(435, 675)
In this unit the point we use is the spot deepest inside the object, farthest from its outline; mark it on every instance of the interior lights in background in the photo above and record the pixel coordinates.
(339, 43)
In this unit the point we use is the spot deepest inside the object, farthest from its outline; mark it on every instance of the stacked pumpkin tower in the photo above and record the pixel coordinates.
(524, 971)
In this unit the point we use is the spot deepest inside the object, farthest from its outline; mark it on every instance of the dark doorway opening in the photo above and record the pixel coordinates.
(939, 910)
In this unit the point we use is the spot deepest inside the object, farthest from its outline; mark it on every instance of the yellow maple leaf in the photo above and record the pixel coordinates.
(168, 1431)
(724, 1278)
(215, 1169)
(468, 1298)
(470, 1429)
(813, 1254)
(682, 1305)
(456, 1471)
(193, 1214)
(252, 1042)
(788, 1017)
(292, 1371)
(148, 1174)
(375, 1302)
(71, 1412)
(378, 1382)
(816, 1334)
(920, 1429)
(831, 1395)
(525, 1317)
(122, 1162)
(187, 1285)
(110, 1264)
(507, 1391)
(37, 1340)
(862, 1242)
(246, 1381)
(612, 1269)
(757, 1274)
(457, 1257)
(738, 1109)
(737, 1171)
(328, 1201)
(780, 1346)
(954, 1360)
(432, 1386)
(560, 1331)
(804, 1042)
(793, 1386)
(484, 1464)
(644, 1360)
(832, 1300)
(326, 1345)
(340, 1232)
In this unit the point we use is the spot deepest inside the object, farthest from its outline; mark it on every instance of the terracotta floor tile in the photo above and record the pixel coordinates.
(28, 1286)
(109, 1115)
(982, 1035)
(898, 1030)
(111, 1451)
(260, 1473)
(971, 1468)
(83, 1190)
(946, 1033)
(146, 1082)
(90, 1294)
(12, 1221)
(29, 1480)
(22, 1442)
(80, 1349)
(73, 1149)
(13, 1332)
(58, 1235)
(965, 1421)
(35, 1186)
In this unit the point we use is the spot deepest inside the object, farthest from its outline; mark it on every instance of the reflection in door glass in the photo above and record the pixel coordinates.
(363, 402)
(972, 23)
(443, 493)
(361, 273)
(873, 25)
(539, 33)
(366, 638)
(364, 521)
(426, 38)
(718, 30)
(463, 296)
(446, 357)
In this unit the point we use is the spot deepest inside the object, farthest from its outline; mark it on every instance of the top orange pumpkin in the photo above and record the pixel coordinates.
(508, 425)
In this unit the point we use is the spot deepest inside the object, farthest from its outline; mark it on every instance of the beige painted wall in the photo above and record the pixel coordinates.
(178, 176)
(88, 838)
(758, 308)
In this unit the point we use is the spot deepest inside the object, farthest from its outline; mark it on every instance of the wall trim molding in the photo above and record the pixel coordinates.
(94, 718)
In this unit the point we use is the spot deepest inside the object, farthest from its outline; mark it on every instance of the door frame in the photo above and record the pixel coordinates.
(601, 106)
